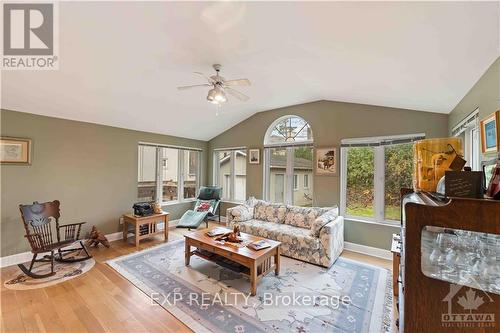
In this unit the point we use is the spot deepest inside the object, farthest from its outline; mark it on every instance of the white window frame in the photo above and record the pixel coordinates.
(469, 126)
(378, 178)
(289, 146)
(180, 172)
(268, 143)
(289, 174)
(306, 181)
(232, 174)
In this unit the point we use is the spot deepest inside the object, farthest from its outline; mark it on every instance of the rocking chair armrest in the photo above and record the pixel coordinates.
(74, 230)
(70, 224)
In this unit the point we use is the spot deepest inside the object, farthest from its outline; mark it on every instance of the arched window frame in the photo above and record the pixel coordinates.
(289, 174)
(270, 129)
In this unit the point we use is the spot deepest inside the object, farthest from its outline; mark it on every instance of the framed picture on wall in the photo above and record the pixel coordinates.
(15, 151)
(490, 133)
(254, 156)
(326, 161)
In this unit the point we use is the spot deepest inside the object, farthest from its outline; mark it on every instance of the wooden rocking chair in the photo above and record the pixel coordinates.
(38, 221)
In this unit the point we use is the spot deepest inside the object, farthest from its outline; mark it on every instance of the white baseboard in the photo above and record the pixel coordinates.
(26, 256)
(15, 259)
(23, 257)
(368, 250)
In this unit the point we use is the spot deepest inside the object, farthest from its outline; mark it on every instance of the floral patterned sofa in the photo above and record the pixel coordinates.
(311, 234)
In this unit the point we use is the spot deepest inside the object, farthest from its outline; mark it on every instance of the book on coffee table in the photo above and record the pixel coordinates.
(218, 231)
(259, 245)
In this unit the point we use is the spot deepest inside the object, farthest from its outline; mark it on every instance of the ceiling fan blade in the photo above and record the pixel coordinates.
(237, 82)
(237, 94)
(194, 86)
(209, 79)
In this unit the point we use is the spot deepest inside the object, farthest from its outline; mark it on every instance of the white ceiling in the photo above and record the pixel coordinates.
(120, 63)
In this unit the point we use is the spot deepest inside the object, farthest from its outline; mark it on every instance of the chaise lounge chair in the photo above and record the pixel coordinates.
(207, 204)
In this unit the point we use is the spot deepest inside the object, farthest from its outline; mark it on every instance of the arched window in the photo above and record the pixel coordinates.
(288, 130)
(288, 162)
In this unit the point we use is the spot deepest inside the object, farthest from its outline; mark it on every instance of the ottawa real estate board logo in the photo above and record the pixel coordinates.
(30, 36)
(466, 308)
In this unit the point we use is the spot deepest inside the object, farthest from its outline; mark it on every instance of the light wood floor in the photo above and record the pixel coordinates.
(100, 300)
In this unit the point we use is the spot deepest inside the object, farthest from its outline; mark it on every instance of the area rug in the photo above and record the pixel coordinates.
(348, 297)
(64, 272)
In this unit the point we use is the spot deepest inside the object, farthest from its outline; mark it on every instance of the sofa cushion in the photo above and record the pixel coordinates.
(323, 220)
(293, 238)
(301, 217)
(270, 212)
(240, 213)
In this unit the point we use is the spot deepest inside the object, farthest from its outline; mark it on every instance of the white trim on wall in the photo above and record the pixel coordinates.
(23, 257)
(368, 250)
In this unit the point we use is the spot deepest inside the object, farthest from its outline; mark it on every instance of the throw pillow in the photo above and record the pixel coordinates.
(204, 206)
(323, 220)
(302, 217)
(241, 213)
(270, 212)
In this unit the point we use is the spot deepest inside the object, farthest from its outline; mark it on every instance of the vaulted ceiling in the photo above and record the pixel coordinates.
(120, 63)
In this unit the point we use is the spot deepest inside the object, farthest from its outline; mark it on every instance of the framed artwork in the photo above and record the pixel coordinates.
(15, 151)
(326, 161)
(254, 156)
(490, 133)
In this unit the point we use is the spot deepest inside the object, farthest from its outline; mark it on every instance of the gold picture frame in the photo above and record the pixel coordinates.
(15, 151)
(490, 133)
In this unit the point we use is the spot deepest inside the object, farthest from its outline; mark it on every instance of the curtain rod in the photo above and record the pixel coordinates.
(230, 148)
(168, 146)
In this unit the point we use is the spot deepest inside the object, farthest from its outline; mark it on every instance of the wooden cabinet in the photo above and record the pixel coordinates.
(440, 290)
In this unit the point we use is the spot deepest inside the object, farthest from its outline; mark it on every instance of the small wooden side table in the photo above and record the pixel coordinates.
(149, 223)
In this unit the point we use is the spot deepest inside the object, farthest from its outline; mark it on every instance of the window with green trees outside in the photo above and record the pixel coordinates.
(394, 171)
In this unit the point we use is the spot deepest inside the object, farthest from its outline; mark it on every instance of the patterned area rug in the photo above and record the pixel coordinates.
(64, 272)
(348, 297)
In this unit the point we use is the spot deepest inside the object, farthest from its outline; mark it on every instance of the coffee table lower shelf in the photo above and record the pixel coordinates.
(254, 264)
(267, 265)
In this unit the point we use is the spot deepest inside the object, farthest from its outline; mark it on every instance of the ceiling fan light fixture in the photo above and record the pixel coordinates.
(219, 86)
(216, 96)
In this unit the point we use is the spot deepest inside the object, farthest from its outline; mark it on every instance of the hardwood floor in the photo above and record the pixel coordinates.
(100, 300)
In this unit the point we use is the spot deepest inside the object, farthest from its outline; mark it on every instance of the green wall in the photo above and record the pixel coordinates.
(485, 95)
(91, 169)
(331, 122)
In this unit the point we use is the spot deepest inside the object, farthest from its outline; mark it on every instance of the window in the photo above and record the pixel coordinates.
(360, 175)
(230, 170)
(146, 178)
(288, 158)
(398, 165)
(288, 129)
(468, 130)
(173, 172)
(372, 174)
(170, 174)
(192, 162)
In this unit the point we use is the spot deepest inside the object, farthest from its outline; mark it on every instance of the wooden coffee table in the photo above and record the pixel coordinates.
(256, 264)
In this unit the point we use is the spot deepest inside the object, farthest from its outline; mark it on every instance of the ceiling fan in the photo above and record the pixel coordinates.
(220, 86)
